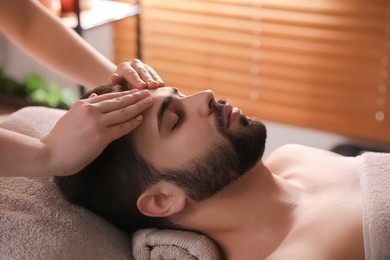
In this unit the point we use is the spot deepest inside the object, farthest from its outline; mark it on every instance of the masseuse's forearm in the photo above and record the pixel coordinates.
(44, 37)
(21, 155)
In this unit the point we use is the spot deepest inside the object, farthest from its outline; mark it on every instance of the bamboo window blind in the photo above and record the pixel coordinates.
(125, 37)
(320, 64)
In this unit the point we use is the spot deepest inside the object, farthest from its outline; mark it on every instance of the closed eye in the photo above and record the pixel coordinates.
(178, 122)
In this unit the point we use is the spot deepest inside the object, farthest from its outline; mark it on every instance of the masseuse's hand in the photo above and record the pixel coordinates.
(90, 125)
(136, 74)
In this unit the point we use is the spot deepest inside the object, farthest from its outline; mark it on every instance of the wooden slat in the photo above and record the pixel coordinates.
(124, 38)
(279, 94)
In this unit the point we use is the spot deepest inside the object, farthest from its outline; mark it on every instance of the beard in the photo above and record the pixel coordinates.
(248, 143)
(226, 161)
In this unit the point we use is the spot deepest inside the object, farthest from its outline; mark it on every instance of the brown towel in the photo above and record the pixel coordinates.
(149, 244)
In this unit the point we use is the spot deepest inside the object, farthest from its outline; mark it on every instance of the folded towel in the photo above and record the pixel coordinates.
(149, 244)
(375, 184)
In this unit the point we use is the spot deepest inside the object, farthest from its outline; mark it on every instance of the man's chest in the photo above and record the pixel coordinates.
(329, 227)
(329, 220)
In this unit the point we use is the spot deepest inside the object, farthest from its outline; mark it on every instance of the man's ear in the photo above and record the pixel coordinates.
(162, 199)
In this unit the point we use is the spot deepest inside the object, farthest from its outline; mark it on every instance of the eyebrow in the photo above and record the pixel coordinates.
(164, 107)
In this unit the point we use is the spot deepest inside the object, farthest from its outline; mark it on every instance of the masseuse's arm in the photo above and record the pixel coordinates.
(29, 25)
(77, 138)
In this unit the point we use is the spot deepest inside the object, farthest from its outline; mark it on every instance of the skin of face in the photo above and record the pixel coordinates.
(179, 129)
(186, 131)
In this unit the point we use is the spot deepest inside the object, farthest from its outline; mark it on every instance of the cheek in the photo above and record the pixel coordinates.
(181, 147)
(192, 142)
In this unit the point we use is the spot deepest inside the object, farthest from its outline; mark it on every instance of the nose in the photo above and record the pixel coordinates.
(202, 102)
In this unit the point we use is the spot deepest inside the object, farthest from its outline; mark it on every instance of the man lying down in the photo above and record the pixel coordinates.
(195, 163)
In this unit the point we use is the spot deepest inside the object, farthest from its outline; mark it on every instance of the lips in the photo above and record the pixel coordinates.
(230, 114)
(227, 112)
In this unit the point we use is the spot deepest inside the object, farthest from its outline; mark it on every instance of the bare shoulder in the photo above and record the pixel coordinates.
(299, 150)
(293, 154)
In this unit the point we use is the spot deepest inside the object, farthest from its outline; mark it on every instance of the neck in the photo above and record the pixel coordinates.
(259, 207)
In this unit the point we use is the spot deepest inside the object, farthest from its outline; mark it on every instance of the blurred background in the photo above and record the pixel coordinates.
(317, 72)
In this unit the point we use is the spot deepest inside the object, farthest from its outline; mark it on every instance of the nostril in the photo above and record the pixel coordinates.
(211, 103)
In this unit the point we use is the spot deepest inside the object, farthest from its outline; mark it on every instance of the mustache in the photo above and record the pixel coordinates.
(218, 106)
(217, 110)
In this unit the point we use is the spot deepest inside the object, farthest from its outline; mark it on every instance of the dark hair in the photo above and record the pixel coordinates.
(111, 184)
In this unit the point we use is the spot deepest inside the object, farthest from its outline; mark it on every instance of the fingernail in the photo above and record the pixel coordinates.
(142, 85)
(148, 100)
(139, 118)
(152, 84)
(114, 78)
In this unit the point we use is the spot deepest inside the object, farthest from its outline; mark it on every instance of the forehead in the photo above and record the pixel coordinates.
(146, 136)
(158, 96)
(149, 124)
(161, 92)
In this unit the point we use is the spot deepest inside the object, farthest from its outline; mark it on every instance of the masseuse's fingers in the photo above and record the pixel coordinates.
(90, 125)
(144, 73)
(136, 74)
(120, 103)
(116, 131)
(156, 78)
(127, 112)
(108, 96)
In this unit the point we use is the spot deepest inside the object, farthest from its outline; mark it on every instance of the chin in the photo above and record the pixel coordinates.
(248, 142)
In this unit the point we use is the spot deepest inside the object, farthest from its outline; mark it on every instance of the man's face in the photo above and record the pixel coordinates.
(200, 143)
